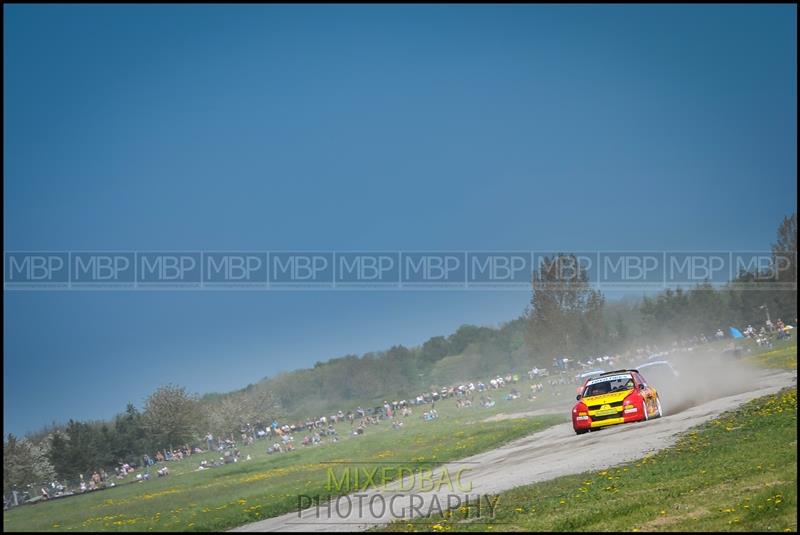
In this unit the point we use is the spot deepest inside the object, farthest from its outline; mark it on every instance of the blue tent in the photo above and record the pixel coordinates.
(735, 333)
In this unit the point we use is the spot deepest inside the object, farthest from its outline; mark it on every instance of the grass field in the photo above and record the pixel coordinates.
(782, 355)
(269, 485)
(736, 473)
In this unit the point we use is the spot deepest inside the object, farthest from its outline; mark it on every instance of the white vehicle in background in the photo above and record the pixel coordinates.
(582, 377)
(660, 372)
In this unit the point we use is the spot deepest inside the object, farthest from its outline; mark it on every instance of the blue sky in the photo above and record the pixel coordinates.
(362, 128)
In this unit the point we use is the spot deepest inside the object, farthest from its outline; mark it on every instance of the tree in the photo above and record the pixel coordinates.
(773, 289)
(466, 335)
(255, 405)
(434, 350)
(171, 417)
(81, 448)
(25, 463)
(596, 333)
(59, 456)
(787, 239)
(784, 253)
(128, 437)
(621, 330)
(566, 314)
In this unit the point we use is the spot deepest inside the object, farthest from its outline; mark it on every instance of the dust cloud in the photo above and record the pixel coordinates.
(703, 375)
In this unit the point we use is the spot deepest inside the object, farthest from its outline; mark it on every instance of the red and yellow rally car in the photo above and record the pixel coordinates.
(616, 397)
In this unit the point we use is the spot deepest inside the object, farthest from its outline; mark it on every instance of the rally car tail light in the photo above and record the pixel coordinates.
(629, 404)
(581, 411)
